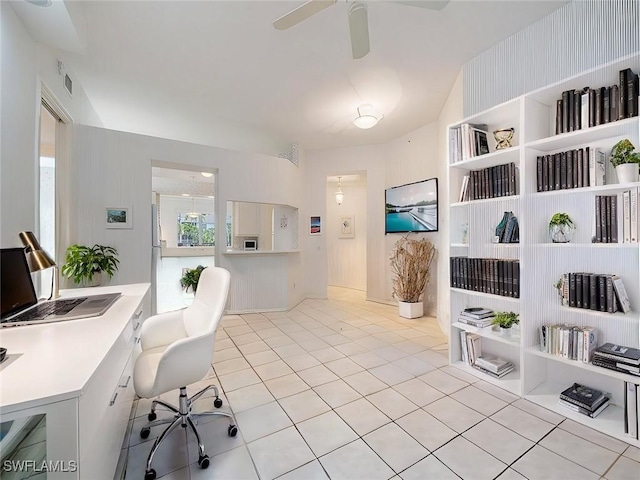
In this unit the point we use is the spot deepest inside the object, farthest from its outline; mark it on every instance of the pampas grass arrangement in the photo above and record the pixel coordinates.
(411, 264)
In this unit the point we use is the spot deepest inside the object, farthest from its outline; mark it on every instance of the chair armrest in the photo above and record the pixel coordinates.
(162, 329)
(188, 360)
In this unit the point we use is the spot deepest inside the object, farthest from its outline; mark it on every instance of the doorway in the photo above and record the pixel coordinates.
(183, 231)
(346, 230)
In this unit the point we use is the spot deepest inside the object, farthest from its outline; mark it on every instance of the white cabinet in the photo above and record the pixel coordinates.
(245, 219)
(540, 377)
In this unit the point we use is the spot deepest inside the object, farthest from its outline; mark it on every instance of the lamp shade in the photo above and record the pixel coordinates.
(37, 258)
(367, 117)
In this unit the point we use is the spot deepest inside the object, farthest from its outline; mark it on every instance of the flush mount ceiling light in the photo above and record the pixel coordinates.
(206, 174)
(40, 3)
(367, 117)
(339, 194)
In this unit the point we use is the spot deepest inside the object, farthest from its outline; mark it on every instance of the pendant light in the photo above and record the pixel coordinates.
(193, 213)
(339, 194)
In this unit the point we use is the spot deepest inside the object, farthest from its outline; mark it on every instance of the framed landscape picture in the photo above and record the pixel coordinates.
(119, 217)
(315, 226)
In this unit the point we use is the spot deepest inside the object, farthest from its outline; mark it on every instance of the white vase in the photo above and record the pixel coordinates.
(410, 310)
(627, 173)
(505, 332)
(96, 280)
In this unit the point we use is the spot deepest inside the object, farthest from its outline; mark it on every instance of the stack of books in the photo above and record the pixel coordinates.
(477, 316)
(493, 366)
(585, 400)
(490, 182)
(617, 217)
(467, 140)
(571, 342)
(618, 358)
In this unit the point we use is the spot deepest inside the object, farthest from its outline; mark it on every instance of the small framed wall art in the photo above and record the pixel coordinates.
(119, 217)
(347, 227)
(315, 226)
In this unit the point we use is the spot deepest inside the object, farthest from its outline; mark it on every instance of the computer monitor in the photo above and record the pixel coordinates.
(16, 286)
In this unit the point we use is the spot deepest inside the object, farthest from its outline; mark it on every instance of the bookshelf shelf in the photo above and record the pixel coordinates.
(610, 421)
(486, 295)
(584, 366)
(627, 127)
(497, 157)
(459, 245)
(487, 332)
(540, 377)
(510, 382)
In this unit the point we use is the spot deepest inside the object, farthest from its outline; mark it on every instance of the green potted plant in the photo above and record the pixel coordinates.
(506, 320)
(561, 228)
(85, 265)
(625, 161)
(411, 265)
(190, 278)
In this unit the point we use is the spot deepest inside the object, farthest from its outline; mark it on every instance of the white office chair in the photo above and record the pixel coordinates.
(177, 350)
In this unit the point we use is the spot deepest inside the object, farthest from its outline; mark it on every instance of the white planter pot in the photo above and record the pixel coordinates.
(411, 310)
(95, 281)
(627, 173)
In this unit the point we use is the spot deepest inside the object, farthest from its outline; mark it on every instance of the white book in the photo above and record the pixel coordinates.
(584, 112)
(464, 133)
(631, 404)
(626, 216)
(620, 217)
(633, 212)
(566, 333)
(621, 293)
(590, 343)
(463, 347)
(581, 335)
(463, 189)
(597, 167)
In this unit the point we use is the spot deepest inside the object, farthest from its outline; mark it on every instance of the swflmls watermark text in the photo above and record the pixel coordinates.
(60, 466)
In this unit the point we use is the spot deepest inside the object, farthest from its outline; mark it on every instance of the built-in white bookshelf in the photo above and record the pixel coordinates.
(539, 376)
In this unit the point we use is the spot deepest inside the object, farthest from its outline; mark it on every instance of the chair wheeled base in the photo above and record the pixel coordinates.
(183, 417)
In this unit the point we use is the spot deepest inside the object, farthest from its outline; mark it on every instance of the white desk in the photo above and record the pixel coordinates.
(78, 373)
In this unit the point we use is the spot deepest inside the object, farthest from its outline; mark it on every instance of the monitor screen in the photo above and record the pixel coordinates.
(16, 287)
(412, 207)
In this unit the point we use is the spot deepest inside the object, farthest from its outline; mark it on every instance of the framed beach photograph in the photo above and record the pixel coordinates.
(347, 227)
(119, 217)
(315, 226)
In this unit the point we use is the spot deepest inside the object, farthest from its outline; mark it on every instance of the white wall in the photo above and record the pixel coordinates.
(347, 257)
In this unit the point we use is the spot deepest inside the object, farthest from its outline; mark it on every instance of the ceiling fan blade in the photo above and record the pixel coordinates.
(430, 4)
(301, 13)
(359, 30)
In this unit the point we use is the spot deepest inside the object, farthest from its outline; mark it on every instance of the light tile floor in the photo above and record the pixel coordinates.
(345, 389)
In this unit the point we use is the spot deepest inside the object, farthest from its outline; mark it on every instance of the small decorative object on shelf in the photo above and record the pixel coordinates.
(506, 320)
(507, 230)
(561, 228)
(464, 230)
(85, 265)
(503, 137)
(411, 265)
(625, 161)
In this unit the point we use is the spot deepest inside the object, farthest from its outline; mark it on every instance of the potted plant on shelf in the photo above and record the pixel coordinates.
(625, 161)
(85, 265)
(411, 264)
(506, 320)
(190, 278)
(561, 228)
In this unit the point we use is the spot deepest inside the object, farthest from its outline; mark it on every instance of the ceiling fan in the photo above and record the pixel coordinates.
(358, 21)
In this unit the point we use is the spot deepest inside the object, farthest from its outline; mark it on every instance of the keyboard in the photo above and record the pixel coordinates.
(57, 307)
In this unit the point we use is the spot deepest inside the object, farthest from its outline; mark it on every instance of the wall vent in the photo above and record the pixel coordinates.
(68, 84)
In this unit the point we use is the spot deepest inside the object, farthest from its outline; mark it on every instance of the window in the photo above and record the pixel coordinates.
(196, 230)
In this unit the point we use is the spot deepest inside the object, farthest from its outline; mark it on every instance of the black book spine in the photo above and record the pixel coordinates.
(452, 271)
(614, 218)
(578, 290)
(598, 218)
(577, 160)
(563, 170)
(576, 172)
(598, 115)
(565, 111)
(558, 117)
(611, 299)
(586, 293)
(602, 293)
(577, 110)
(592, 107)
(606, 104)
(623, 93)
(557, 169)
(516, 278)
(546, 168)
(615, 103)
(509, 291)
(572, 110)
(572, 289)
(593, 291)
(570, 171)
(485, 183)
(500, 278)
(632, 94)
(584, 159)
(607, 206)
(539, 174)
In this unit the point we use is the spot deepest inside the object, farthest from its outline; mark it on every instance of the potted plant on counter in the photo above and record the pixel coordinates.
(506, 320)
(411, 264)
(85, 265)
(625, 161)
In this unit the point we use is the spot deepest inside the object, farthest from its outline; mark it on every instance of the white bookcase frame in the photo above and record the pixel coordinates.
(540, 377)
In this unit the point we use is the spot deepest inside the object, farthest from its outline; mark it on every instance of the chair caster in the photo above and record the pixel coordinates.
(144, 433)
(152, 416)
(232, 431)
(150, 475)
(217, 402)
(203, 462)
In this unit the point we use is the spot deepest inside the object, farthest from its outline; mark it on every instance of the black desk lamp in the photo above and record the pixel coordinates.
(38, 259)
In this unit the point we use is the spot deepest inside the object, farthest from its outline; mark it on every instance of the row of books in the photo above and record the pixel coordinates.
(619, 358)
(592, 291)
(467, 140)
(583, 167)
(491, 182)
(590, 107)
(584, 400)
(617, 217)
(487, 275)
(631, 409)
(471, 347)
(571, 342)
(477, 316)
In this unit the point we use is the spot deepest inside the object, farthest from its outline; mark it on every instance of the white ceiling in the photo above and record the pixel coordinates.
(169, 181)
(151, 65)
